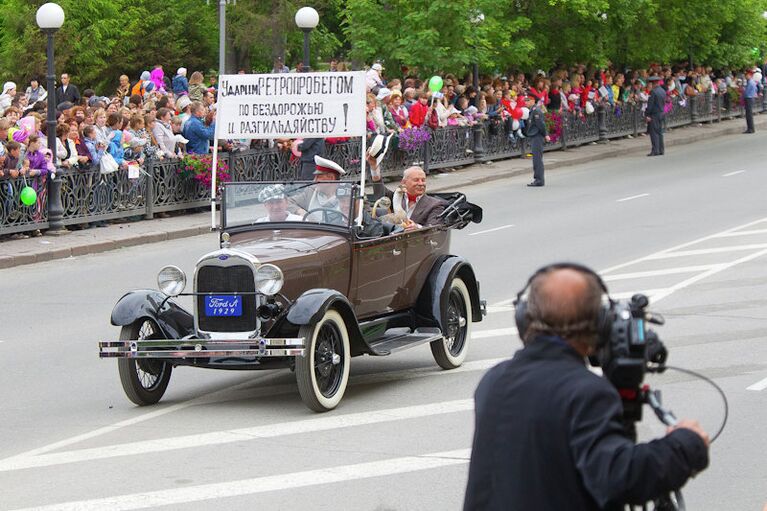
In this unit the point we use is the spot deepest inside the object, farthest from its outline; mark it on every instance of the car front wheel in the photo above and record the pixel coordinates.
(450, 351)
(323, 372)
(144, 380)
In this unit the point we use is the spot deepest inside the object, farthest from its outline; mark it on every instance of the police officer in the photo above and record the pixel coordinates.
(654, 115)
(549, 434)
(536, 132)
(749, 94)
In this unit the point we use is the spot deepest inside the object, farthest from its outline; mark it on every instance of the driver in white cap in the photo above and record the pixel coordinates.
(322, 196)
(275, 200)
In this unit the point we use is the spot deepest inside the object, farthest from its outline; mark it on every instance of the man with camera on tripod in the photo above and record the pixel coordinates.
(549, 433)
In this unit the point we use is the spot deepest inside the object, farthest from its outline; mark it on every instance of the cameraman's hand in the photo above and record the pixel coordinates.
(692, 425)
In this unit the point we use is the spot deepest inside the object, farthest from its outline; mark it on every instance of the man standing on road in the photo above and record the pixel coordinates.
(654, 115)
(749, 94)
(536, 133)
(549, 433)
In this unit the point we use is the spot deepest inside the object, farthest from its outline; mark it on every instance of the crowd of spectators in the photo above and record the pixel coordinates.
(398, 104)
(163, 117)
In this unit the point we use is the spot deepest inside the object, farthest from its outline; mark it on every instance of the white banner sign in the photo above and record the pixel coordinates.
(291, 105)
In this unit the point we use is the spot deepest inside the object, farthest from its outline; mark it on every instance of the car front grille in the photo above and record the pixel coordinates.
(227, 280)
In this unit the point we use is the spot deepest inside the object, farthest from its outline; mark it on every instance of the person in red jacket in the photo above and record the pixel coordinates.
(421, 110)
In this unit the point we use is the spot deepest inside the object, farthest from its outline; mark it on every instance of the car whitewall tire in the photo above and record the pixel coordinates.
(323, 372)
(450, 351)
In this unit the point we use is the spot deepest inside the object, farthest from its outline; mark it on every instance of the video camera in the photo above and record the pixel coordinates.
(630, 351)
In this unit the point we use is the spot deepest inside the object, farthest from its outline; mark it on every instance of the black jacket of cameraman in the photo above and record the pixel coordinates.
(549, 437)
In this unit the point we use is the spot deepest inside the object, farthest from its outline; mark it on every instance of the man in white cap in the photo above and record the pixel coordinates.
(321, 196)
(275, 200)
(6, 98)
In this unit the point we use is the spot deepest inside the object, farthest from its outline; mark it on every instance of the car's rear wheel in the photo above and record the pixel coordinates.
(144, 380)
(323, 372)
(450, 351)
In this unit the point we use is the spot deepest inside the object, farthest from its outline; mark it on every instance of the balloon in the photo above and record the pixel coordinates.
(755, 52)
(435, 84)
(516, 114)
(294, 147)
(525, 113)
(515, 125)
(28, 196)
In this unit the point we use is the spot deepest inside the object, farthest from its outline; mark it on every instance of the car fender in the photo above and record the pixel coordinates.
(312, 305)
(432, 302)
(173, 320)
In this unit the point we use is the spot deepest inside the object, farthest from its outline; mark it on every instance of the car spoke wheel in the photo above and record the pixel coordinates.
(323, 372)
(143, 380)
(450, 351)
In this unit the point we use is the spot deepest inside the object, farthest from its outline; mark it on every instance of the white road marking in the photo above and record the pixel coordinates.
(495, 309)
(705, 251)
(324, 423)
(491, 230)
(705, 275)
(654, 273)
(499, 332)
(633, 197)
(265, 484)
(733, 173)
(135, 420)
(628, 294)
(742, 233)
(39, 458)
(758, 386)
(682, 245)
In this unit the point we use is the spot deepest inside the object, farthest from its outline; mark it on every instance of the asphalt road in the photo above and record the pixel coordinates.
(690, 229)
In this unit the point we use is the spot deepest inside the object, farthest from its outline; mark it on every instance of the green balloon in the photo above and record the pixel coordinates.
(435, 84)
(28, 196)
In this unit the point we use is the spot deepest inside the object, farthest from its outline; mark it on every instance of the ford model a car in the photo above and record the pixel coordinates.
(299, 283)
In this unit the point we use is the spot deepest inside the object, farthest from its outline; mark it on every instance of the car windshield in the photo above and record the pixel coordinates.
(325, 202)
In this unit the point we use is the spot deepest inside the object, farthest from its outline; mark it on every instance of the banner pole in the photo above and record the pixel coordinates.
(362, 178)
(215, 168)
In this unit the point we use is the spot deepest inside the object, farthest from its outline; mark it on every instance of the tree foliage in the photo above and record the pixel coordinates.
(102, 39)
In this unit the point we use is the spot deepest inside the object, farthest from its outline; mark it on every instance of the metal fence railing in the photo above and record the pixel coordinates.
(162, 185)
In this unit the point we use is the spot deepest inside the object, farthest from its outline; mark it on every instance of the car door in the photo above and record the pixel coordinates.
(422, 248)
(379, 268)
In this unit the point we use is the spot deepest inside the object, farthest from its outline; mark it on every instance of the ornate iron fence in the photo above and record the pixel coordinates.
(449, 147)
(15, 216)
(680, 114)
(581, 128)
(622, 120)
(730, 107)
(704, 107)
(89, 196)
(498, 144)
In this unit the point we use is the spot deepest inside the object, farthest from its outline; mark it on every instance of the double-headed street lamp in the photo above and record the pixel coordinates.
(307, 18)
(50, 18)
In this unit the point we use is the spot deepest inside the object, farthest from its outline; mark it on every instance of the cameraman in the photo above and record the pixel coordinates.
(549, 432)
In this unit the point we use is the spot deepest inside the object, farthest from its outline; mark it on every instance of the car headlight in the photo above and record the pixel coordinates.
(171, 280)
(269, 279)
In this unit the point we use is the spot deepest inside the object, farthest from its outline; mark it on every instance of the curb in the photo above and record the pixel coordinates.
(99, 246)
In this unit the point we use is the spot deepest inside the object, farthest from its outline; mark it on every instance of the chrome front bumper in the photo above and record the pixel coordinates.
(203, 348)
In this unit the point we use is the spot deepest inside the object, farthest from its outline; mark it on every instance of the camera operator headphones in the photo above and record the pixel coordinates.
(604, 322)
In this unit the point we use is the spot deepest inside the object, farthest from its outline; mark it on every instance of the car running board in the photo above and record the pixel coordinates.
(399, 341)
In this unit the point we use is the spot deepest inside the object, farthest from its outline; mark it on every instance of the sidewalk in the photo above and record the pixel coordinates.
(95, 240)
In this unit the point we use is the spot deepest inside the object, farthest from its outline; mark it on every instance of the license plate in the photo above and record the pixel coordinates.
(223, 305)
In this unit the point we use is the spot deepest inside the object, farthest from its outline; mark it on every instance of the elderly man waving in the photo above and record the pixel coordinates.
(410, 197)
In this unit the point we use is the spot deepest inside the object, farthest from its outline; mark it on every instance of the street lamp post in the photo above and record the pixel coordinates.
(307, 18)
(476, 20)
(50, 18)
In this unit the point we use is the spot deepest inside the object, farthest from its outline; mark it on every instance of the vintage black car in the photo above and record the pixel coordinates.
(302, 288)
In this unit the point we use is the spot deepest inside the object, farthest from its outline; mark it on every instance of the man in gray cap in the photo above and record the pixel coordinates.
(275, 200)
(654, 115)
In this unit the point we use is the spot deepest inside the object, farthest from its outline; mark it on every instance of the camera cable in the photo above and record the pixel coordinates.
(718, 389)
